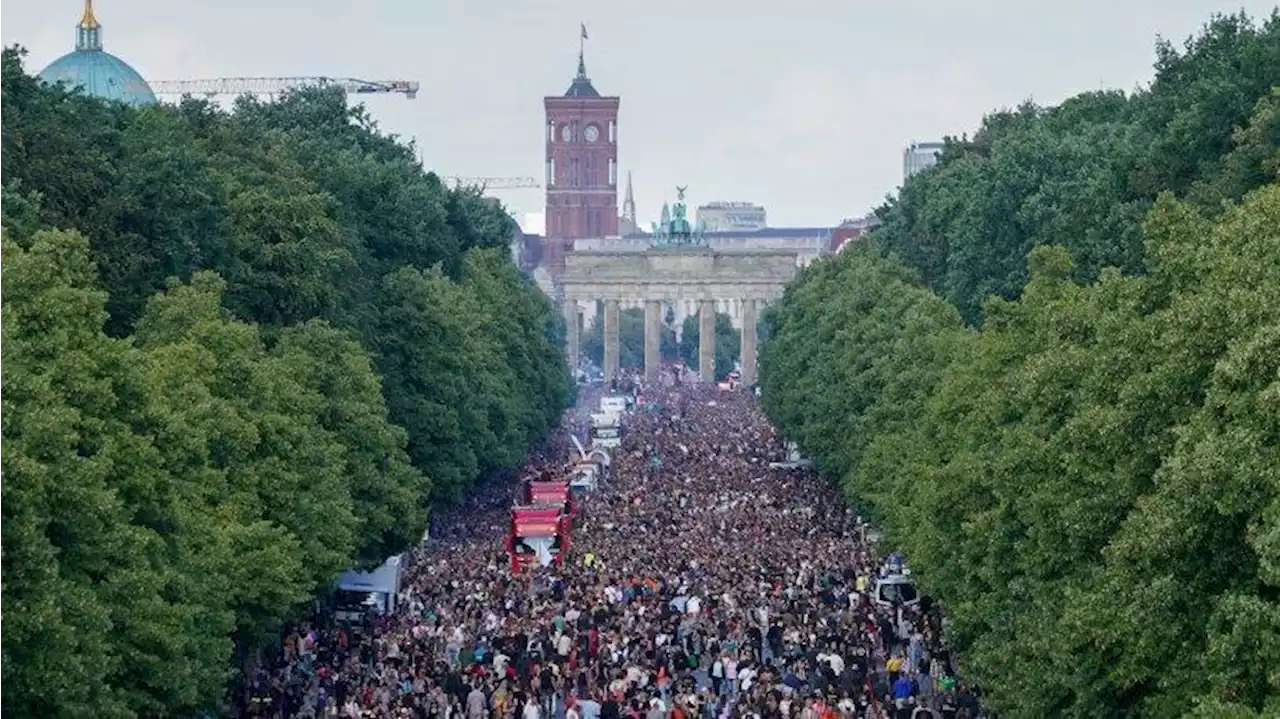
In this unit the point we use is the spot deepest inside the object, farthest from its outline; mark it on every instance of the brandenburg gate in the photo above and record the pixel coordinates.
(676, 267)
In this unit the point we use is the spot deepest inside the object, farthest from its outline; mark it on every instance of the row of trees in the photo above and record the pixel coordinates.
(242, 352)
(1081, 468)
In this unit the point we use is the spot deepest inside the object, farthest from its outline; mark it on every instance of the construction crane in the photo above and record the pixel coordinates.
(495, 183)
(278, 85)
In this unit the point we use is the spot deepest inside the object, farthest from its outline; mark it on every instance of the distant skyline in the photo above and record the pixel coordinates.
(806, 116)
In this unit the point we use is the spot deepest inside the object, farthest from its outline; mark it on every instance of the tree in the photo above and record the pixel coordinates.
(1086, 482)
(73, 561)
(198, 436)
(727, 349)
(630, 339)
(1084, 174)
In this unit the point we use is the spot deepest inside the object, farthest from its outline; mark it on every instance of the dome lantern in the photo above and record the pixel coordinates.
(88, 31)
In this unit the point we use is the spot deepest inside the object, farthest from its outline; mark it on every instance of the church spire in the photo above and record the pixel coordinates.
(629, 203)
(88, 31)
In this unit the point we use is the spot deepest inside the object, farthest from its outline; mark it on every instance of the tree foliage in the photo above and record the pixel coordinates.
(1085, 173)
(630, 339)
(243, 351)
(728, 343)
(1088, 483)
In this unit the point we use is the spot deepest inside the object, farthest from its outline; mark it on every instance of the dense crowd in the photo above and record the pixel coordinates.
(703, 585)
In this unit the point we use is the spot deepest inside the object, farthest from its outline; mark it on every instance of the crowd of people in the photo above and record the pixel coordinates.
(703, 584)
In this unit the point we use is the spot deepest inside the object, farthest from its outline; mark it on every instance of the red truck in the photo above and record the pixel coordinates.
(537, 536)
(550, 494)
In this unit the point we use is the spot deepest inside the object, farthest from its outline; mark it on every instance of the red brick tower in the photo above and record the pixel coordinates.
(582, 167)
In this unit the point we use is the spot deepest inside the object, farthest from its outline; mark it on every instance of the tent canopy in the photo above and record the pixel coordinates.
(385, 579)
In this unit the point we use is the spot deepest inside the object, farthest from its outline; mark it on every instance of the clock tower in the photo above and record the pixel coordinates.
(582, 166)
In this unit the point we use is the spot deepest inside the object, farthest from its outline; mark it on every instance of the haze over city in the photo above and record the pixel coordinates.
(804, 109)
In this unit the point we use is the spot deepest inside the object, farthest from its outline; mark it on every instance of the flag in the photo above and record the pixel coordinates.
(584, 31)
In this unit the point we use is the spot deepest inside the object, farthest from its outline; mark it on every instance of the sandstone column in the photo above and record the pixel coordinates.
(610, 339)
(707, 340)
(748, 353)
(652, 339)
(571, 337)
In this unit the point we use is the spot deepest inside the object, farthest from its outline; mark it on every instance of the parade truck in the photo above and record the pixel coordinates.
(606, 430)
(615, 404)
(587, 472)
(550, 494)
(537, 537)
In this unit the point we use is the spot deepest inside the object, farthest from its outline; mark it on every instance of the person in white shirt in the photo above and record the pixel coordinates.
(717, 676)
(746, 678)
(837, 663)
(531, 710)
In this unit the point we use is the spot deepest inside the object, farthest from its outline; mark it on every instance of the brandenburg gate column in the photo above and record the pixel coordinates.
(707, 340)
(571, 338)
(748, 351)
(652, 339)
(610, 339)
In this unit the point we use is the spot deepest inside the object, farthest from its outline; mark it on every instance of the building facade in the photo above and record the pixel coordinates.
(805, 244)
(581, 167)
(920, 156)
(732, 217)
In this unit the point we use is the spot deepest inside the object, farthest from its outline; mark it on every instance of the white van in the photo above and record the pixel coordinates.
(896, 589)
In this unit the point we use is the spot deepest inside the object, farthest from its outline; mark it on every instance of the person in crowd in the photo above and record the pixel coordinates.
(707, 585)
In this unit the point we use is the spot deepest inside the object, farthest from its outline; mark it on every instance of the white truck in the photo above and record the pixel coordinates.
(613, 404)
(606, 430)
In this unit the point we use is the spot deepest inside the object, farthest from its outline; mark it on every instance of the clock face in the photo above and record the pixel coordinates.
(566, 134)
(592, 134)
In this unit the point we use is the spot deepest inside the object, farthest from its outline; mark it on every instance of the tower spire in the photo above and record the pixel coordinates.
(629, 203)
(88, 31)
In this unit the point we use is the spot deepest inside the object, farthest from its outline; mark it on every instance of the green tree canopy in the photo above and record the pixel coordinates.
(1087, 483)
(630, 339)
(728, 344)
(1084, 174)
(260, 344)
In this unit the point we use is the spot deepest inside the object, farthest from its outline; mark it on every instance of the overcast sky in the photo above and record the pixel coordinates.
(803, 106)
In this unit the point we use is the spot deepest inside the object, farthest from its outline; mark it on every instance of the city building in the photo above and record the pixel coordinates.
(731, 216)
(851, 229)
(582, 211)
(97, 72)
(582, 166)
(919, 156)
(808, 243)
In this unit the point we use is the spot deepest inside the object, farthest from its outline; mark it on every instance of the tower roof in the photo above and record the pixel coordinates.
(581, 85)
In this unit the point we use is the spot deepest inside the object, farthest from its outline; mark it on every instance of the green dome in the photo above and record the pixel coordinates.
(98, 72)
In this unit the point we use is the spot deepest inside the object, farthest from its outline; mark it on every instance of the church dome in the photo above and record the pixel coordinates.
(98, 72)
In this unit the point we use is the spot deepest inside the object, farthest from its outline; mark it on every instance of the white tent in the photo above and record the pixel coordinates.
(383, 581)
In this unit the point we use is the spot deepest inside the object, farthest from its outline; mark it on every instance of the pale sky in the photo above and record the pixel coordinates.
(803, 106)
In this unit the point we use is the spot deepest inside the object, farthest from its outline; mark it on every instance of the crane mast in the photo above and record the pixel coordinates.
(278, 85)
